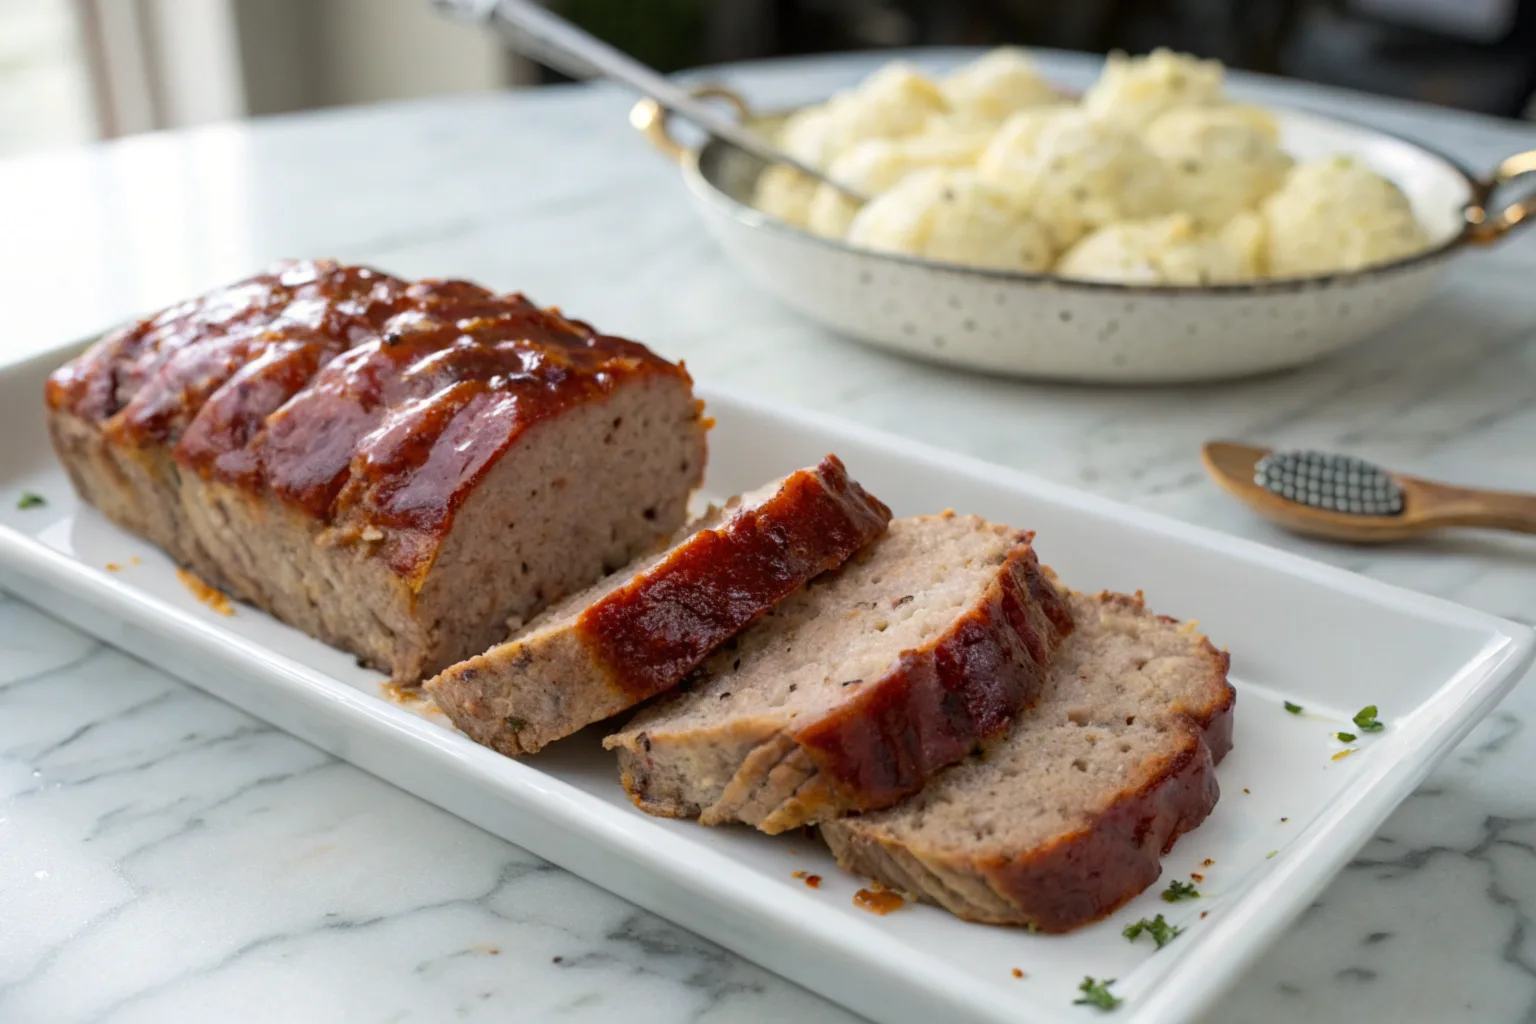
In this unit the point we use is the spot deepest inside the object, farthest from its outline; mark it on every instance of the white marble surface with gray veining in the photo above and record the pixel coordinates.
(164, 857)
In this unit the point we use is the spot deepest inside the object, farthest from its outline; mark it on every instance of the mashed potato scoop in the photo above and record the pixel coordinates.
(1337, 214)
(952, 217)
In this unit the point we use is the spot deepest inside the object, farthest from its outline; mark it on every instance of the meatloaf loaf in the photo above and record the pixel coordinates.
(1067, 818)
(859, 687)
(642, 629)
(396, 468)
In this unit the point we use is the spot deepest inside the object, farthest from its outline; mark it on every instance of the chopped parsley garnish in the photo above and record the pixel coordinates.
(1365, 718)
(1294, 709)
(1270, 854)
(1161, 931)
(30, 499)
(1178, 890)
(1346, 737)
(1096, 993)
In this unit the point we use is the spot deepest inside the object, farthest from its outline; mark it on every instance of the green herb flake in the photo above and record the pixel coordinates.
(30, 499)
(1178, 890)
(1161, 931)
(514, 723)
(1345, 737)
(1365, 718)
(1270, 855)
(1096, 993)
(1294, 709)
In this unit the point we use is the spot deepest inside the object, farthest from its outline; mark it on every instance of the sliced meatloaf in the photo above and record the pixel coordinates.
(1067, 818)
(641, 630)
(396, 468)
(855, 690)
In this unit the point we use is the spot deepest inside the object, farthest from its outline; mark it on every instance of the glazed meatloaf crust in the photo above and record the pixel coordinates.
(1067, 818)
(396, 468)
(855, 690)
(641, 630)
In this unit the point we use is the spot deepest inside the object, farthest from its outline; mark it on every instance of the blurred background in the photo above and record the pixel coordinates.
(73, 71)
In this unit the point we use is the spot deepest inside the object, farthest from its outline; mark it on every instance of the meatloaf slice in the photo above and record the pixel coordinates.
(855, 690)
(1067, 818)
(641, 630)
(396, 468)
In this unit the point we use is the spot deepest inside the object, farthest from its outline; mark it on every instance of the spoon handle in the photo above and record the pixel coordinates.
(550, 39)
(1468, 506)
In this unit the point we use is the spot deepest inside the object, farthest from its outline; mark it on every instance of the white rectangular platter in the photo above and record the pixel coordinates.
(1289, 818)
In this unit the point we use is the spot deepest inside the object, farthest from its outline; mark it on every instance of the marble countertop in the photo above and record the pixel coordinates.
(164, 857)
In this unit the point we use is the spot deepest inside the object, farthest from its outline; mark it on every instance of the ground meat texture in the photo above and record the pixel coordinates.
(858, 688)
(641, 630)
(1067, 818)
(396, 468)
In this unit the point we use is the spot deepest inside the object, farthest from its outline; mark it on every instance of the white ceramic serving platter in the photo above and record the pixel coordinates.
(1317, 636)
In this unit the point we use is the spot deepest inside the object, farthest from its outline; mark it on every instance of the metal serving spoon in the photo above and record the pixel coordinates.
(556, 43)
(1348, 499)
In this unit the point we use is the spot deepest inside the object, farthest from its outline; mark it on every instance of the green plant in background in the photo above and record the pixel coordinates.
(666, 34)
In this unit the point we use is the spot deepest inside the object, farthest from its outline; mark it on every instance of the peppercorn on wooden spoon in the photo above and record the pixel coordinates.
(1342, 498)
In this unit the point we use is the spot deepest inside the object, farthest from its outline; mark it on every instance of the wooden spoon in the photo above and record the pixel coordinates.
(1426, 505)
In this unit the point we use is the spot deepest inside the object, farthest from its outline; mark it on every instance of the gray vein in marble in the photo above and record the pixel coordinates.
(1495, 836)
(83, 731)
(511, 873)
(70, 757)
(45, 675)
(1504, 727)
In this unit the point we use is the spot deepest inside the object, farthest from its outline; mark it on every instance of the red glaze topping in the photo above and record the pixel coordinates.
(944, 698)
(147, 381)
(653, 631)
(1091, 872)
(217, 443)
(348, 393)
(1087, 873)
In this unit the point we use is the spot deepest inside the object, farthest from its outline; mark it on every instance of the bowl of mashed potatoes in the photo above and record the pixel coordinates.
(1150, 230)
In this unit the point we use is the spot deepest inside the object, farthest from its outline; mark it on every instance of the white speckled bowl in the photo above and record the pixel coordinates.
(1039, 325)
